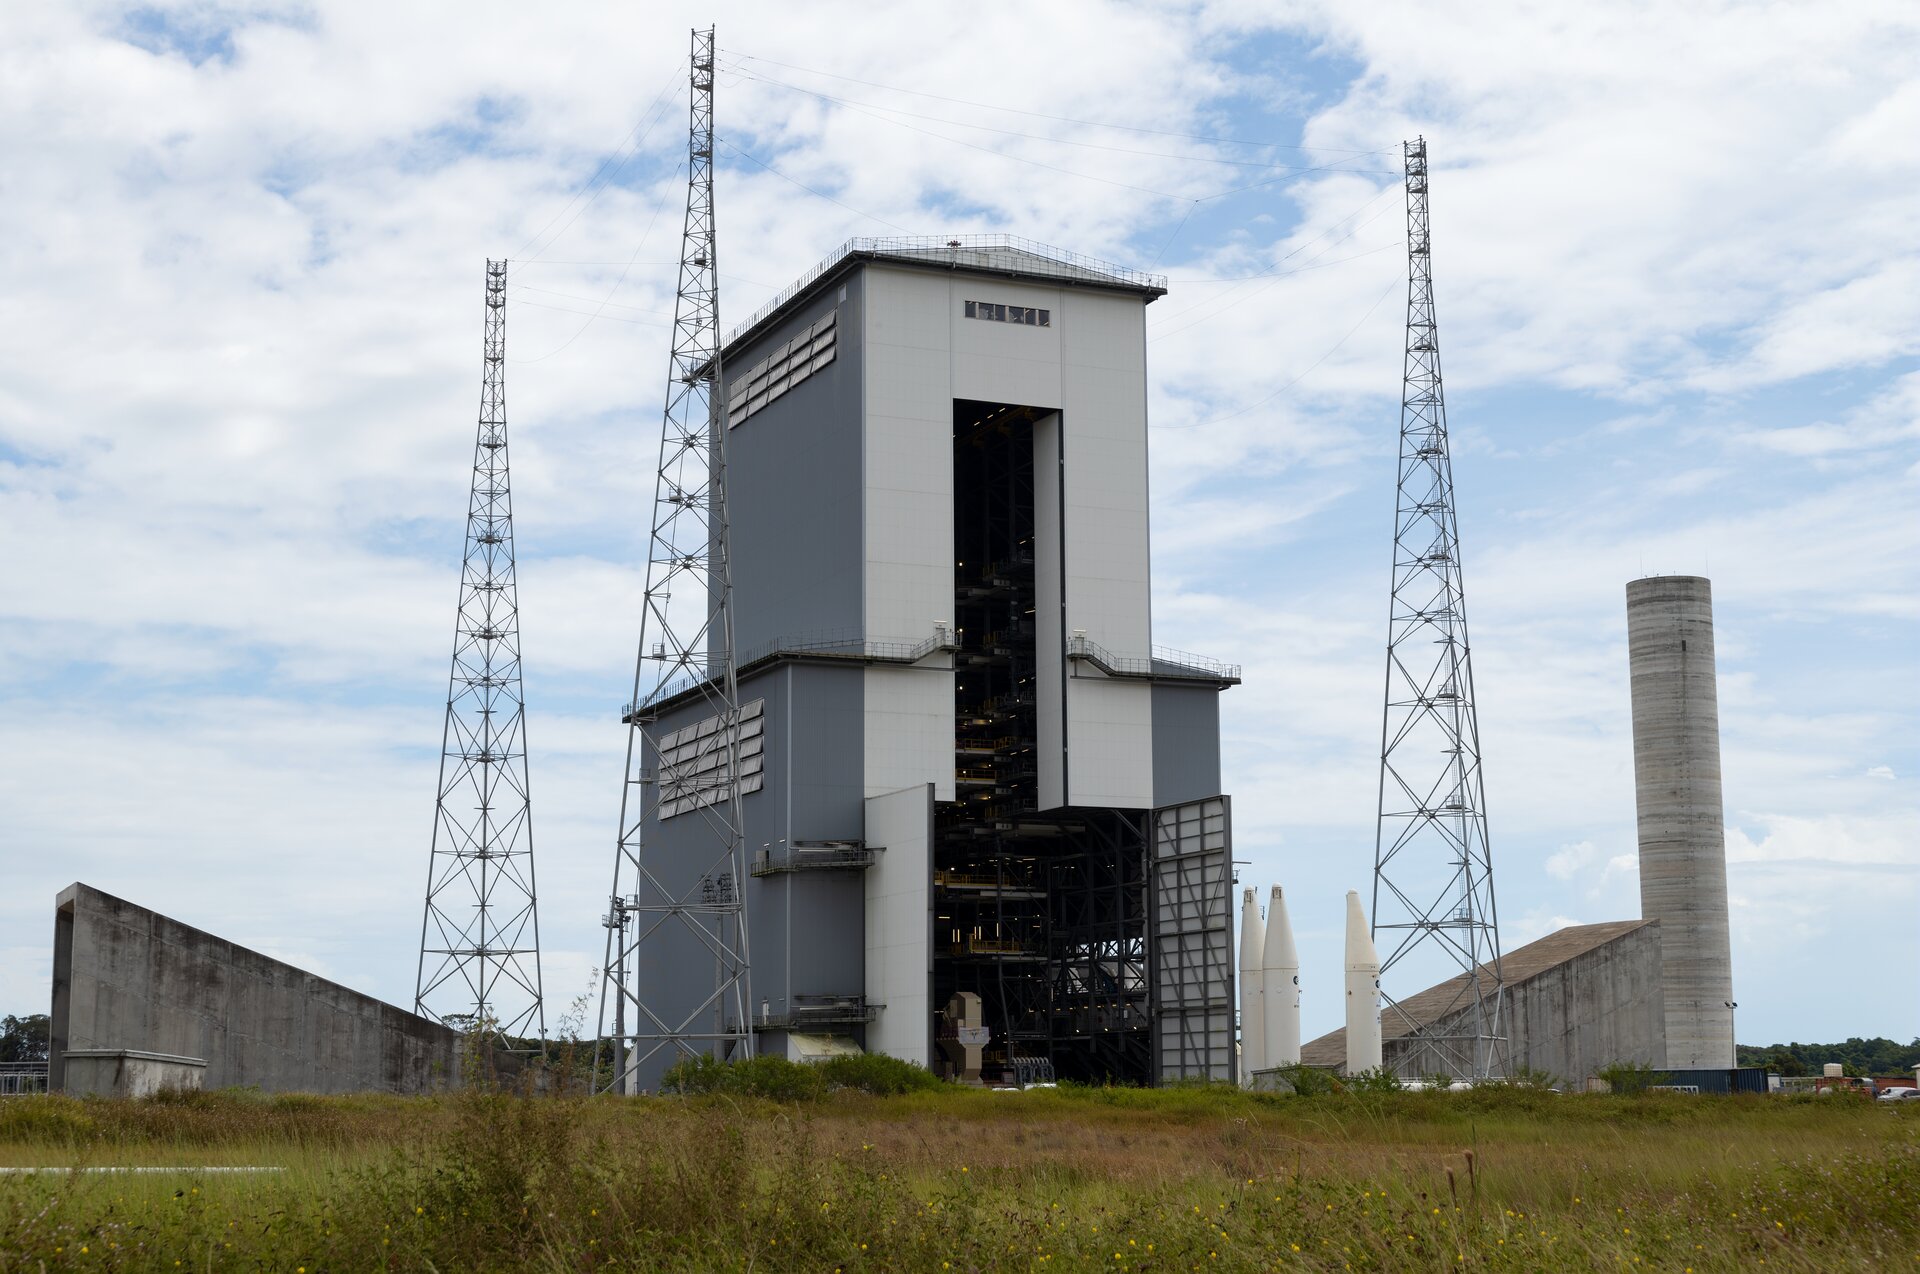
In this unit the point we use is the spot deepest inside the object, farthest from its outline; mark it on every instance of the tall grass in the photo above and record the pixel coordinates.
(1073, 1178)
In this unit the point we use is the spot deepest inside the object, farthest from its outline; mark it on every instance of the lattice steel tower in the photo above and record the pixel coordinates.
(480, 934)
(1433, 871)
(691, 899)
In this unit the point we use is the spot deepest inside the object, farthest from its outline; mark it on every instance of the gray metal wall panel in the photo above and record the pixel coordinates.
(804, 931)
(1186, 743)
(1190, 940)
(794, 494)
(825, 954)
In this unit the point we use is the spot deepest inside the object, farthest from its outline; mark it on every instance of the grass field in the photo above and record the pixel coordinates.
(966, 1180)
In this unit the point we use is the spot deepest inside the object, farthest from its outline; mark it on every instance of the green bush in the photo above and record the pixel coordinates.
(878, 1074)
(1377, 1079)
(1308, 1081)
(769, 1077)
(1632, 1077)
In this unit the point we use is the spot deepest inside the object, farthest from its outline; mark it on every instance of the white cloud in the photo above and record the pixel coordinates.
(1571, 860)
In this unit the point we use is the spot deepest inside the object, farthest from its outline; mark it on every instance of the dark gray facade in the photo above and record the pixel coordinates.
(1186, 742)
(794, 489)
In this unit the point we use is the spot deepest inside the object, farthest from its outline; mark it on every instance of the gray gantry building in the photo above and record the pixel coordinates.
(966, 767)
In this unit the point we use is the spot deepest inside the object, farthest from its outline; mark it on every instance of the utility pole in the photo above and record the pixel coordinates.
(682, 904)
(480, 933)
(1433, 871)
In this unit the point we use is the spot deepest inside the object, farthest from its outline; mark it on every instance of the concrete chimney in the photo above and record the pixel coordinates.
(1683, 843)
(1280, 967)
(1253, 1034)
(1363, 992)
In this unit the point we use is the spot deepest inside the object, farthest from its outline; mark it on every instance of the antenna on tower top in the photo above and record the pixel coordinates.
(480, 934)
(678, 900)
(1433, 871)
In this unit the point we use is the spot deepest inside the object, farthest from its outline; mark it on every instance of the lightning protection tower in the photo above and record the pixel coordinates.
(1433, 872)
(680, 904)
(480, 934)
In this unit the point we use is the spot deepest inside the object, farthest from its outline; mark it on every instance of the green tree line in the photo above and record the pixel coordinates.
(1877, 1056)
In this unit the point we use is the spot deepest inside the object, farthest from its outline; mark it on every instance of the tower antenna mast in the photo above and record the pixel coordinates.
(480, 932)
(682, 904)
(1433, 871)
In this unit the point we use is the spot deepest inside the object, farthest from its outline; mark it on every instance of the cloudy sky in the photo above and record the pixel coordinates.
(1679, 300)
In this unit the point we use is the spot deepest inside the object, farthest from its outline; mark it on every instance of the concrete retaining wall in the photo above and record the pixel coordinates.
(1597, 1008)
(1578, 1000)
(125, 978)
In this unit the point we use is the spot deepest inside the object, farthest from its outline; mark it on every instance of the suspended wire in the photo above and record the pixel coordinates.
(1292, 175)
(1254, 406)
(809, 189)
(988, 150)
(595, 184)
(1043, 137)
(590, 300)
(608, 298)
(1168, 243)
(561, 309)
(1063, 119)
(1219, 304)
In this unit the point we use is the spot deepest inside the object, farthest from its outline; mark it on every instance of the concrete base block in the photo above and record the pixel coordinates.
(128, 1072)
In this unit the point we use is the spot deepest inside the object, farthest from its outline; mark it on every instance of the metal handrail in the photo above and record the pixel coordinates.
(844, 644)
(23, 1079)
(1164, 662)
(1067, 261)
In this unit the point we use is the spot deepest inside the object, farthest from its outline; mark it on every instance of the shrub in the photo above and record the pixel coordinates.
(770, 1077)
(878, 1074)
(1631, 1077)
(1377, 1079)
(1307, 1081)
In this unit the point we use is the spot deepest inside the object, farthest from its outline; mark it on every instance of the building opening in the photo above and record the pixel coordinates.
(1040, 915)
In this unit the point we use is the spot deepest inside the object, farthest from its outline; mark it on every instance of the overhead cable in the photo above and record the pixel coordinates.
(1234, 415)
(651, 119)
(1064, 119)
(1044, 137)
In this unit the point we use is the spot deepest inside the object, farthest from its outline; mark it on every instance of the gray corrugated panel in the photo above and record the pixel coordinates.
(1193, 976)
(1186, 743)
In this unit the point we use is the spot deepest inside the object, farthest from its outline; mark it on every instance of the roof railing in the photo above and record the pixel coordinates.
(1067, 265)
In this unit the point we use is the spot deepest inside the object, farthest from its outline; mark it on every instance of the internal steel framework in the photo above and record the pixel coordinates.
(1433, 870)
(480, 933)
(686, 643)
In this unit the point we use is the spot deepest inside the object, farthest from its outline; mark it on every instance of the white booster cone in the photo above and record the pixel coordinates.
(1363, 992)
(1253, 1035)
(1280, 970)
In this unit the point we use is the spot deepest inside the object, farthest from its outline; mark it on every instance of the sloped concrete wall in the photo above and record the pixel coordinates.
(1601, 1006)
(129, 978)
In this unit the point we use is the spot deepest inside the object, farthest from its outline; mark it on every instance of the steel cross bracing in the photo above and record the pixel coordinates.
(480, 934)
(689, 901)
(1433, 871)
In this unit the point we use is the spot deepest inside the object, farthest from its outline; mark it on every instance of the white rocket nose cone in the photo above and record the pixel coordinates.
(1363, 993)
(1282, 989)
(1252, 932)
(1279, 952)
(1360, 950)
